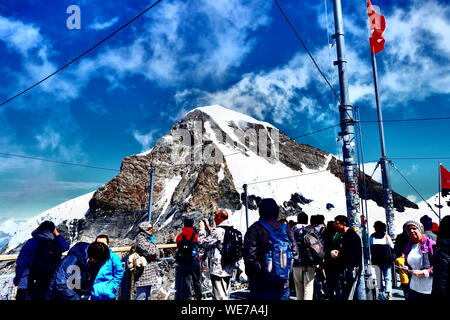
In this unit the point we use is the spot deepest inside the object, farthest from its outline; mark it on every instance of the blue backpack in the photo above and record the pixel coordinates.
(279, 258)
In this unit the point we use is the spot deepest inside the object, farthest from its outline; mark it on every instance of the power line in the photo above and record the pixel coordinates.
(306, 48)
(289, 177)
(406, 120)
(413, 188)
(84, 53)
(316, 131)
(57, 161)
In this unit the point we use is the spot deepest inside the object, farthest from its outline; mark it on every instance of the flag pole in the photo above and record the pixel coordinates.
(385, 175)
(439, 191)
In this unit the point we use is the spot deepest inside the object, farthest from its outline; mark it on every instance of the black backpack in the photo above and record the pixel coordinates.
(187, 250)
(46, 259)
(310, 246)
(232, 247)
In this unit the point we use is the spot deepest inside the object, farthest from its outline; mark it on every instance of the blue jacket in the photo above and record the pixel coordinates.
(27, 253)
(108, 279)
(74, 270)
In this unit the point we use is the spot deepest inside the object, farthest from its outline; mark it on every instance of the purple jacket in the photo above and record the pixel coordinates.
(427, 251)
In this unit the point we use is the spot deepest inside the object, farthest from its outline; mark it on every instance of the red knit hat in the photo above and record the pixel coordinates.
(435, 227)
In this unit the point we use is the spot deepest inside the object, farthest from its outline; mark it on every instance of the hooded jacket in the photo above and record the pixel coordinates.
(28, 252)
(256, 245)
(441, 266)
(73, 269)
(108, 279)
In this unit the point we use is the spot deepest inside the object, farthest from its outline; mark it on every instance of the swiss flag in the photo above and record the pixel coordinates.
(445, 181)
(377, 25)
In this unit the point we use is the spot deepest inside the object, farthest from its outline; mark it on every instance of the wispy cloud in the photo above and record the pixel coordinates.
(146, 139)
(103, 25)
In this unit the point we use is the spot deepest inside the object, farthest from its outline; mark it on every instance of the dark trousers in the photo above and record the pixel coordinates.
(187, 279)
(22, 295)
(333, 289)
(258, 293)
(350, 278)
(417, 296)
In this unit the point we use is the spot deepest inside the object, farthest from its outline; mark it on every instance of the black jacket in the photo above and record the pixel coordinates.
(256, 245)
(350, 250)
(441, 264)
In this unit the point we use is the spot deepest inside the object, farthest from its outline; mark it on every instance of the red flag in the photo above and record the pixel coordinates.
(377, 24)
(445, 181)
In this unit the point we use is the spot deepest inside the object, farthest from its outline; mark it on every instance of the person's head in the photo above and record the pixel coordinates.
(188, 222)
(414, 230)
(268, 209)
(302, 218)
(379, 226)
(320, 219)
(103, 238)
(313, 219)
(291, 223)
(363, 220)
(444, 228)
(341, 224)
(283, 221)
(220, 216)
(146, 227)
(98, 252)
(426, 222)
(46, 226)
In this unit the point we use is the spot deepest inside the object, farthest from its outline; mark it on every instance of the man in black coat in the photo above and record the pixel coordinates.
(256, 245)
(349, 255)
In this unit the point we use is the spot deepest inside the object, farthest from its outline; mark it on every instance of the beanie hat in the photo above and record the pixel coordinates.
(268, 208)
(417, 224)
(427, 222)
(144, 226)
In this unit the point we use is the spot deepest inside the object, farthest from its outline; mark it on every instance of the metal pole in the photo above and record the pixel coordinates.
(246, 203)
(150, 193)
(348, 135)
(385, 175)
(347, 123)
(439, 191)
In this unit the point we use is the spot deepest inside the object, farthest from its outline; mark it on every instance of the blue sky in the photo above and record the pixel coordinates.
(120, 98)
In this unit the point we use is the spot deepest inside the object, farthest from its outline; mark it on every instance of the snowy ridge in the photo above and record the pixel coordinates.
(73, 209)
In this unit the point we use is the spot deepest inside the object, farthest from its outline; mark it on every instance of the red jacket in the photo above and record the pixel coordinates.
(187, 232)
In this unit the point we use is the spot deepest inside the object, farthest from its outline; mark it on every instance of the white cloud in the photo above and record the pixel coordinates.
(282, 93)
(145, 140)
(48, 139)
(103, 25)
(18, 35)
(412, 198)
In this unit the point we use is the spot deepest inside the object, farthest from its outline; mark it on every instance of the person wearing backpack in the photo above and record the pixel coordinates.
(147, 276)
(269, 252)
(382, 249)
(37, 262)
(187, 270)
(311, 253)
(109, 277)
(217, 243)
